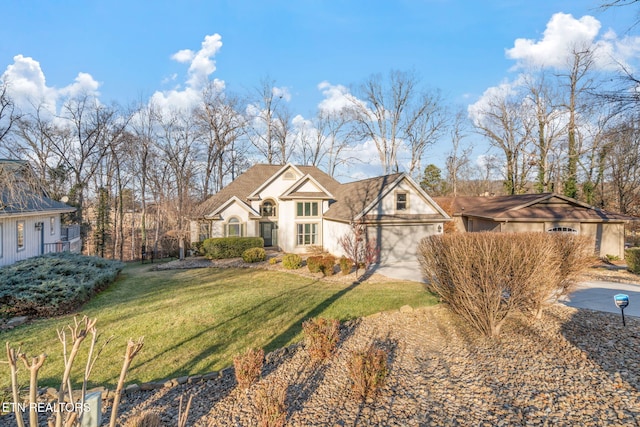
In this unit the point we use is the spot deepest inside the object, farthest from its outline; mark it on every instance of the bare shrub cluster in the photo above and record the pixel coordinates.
(270, 403)
(321, 337)
(248, 367)
(485, 277)
(367, 371)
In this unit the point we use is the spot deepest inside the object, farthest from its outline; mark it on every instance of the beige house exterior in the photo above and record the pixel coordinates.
(294, 207)
(547, 212)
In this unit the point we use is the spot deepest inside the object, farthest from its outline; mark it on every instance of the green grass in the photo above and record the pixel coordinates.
(196, 321)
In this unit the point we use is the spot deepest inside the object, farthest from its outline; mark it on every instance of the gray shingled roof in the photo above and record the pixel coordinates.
(528, 206)
(12, 203)
(352, 198)
(252, 179)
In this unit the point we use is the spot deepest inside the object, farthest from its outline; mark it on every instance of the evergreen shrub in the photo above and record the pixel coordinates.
(229, 247)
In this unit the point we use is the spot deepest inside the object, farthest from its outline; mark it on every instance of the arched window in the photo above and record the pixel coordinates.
(562, 230)
(268, 208)
(234, 227)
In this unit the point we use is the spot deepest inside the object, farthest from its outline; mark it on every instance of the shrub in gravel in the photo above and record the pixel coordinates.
(248, 367)
(632, 257)
(313, 263)
(53, 284)
(291, 261)
(321, 337)
(367, 371)
(326, 265)
(485, 277)
(345, 265)
(270, 403)
(254, 255)
(273, 261)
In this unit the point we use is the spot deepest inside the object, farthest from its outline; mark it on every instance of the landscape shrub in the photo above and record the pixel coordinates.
(229, 247)
(632, 257)
(485, 277)
(367, 371)
(248, 367)
(576, 254)
(313, 263)
(327, 263)
(346, 265)
(53, 284)
(270, 403)
(273, 261)
(291, 261)
(254, 255)
(321, 337)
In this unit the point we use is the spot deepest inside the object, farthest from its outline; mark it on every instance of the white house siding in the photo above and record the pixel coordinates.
(32, 243)
(332, 232)
(417, 205)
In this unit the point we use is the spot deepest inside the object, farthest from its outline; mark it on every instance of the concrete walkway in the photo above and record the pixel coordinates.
(594, 295)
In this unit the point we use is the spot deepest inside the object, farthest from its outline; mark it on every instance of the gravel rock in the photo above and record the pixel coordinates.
(572, 367)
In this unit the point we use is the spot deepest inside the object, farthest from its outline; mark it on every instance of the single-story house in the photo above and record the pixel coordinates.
(30, 222)
(545, 212)
(294, 207)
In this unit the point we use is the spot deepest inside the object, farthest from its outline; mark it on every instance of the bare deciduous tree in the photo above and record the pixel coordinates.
(394, 111)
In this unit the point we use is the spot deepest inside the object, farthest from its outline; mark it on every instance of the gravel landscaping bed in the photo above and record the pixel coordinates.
(573, 367)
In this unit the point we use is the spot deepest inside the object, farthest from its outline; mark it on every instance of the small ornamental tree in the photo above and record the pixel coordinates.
(363, 250)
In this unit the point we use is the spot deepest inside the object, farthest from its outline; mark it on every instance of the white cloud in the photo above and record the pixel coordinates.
(336, 98)
(201, 66)
(282, 93)
(563, 34)
(502, 91)
(28, 86)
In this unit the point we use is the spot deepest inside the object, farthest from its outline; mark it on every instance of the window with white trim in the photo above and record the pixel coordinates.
(307, 234)
(234, 228)
(402, 201)
(306, 209)
(20, 235)
(52, 225)
(562, 230)
(268, 208)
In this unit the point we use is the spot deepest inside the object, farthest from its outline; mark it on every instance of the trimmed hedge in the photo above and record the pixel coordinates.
(229, 247)
(254, 255)
(291, 261)
(313, 263)
(53, 284)
(632, 257)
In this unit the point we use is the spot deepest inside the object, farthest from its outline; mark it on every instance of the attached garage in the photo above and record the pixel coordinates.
(399, 243)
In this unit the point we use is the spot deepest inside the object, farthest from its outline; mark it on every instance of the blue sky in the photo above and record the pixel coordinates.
(125, 50)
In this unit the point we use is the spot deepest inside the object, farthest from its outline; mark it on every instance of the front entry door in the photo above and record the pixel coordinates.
(267, 232)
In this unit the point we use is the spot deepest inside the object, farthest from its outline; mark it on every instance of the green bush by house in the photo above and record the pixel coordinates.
(53, 284)
(632, 256)
(291, 261)
(229, 247)
(254, 255)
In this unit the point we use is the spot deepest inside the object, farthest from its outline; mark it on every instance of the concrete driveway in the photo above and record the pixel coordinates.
(595, 295)
(598, 295)
(405, 270)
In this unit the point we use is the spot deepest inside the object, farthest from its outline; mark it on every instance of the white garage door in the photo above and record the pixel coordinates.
(399, 243)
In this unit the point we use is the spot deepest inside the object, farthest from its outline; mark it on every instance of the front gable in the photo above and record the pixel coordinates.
(306, 188)
(233, 207)
(403, 199)
(277, 183)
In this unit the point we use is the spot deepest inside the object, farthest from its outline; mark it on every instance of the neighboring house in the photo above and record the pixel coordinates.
(30, 222)
(546, 212)
(295, 207)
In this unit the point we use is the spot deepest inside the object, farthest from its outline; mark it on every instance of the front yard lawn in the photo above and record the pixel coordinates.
(195, 321)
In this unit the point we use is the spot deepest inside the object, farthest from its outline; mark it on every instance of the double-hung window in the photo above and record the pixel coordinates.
(307, 234)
